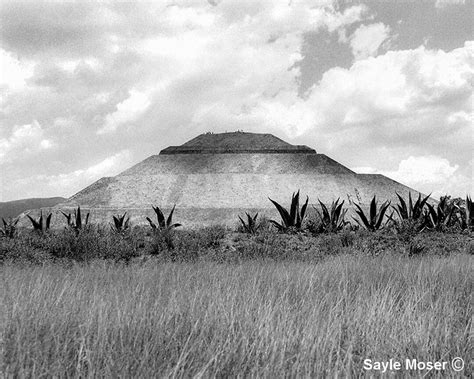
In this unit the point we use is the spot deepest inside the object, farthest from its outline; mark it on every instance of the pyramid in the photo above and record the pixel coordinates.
(213, 178)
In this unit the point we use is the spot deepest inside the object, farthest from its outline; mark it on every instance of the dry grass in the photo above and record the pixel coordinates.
(252, 319)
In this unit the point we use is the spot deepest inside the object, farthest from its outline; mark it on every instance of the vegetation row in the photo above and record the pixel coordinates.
(410, 228)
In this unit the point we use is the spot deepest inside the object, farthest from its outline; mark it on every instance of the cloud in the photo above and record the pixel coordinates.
(127, 111)
(13, 72)
(66, 184)
(397, 99)
(110, 77)
(25, 140)
(74, 180)
(367, 39)
(430, 174)
(441, 4)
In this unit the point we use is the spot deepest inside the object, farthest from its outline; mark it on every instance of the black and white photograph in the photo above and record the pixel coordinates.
(236, 189)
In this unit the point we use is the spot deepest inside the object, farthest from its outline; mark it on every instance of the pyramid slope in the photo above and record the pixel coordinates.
(215, 187)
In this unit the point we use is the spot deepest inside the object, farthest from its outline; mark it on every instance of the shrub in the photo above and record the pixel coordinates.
(121, 224)
(251, 226)
(411, 211)
(9, 229)
(292, 220)
(442, 217)
(40, 226)
(331, 221)
(466, 214)
(375, 218)
(162, 224)
(76, 224)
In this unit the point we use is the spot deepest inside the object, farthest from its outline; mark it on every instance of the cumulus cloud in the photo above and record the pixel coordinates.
(25, 140)
(66, 184)
(110, 166)
(110, 77)
(428, 174)
(127, 111)
(13, 72)
(367, 39)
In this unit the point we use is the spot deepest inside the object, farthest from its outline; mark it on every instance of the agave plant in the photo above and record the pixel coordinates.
(466, 214)
(294, 218)
(251, 225)
(9, 228)
(162, 224)
(39, 225)
(375, 219)
(76, 223)
(411, 211)
(331, 220)
(442, 216)
(121, 223)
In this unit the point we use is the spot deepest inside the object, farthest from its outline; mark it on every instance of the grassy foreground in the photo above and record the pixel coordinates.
(269, 319)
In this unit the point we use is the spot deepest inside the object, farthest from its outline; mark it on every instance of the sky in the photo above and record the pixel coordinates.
(87, 89)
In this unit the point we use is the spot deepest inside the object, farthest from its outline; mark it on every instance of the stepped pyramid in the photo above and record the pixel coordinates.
(213, 178)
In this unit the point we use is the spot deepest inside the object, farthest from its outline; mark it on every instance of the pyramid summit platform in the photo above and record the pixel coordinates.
(213, 178)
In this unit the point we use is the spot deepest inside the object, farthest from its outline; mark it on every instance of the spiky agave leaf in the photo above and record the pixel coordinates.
(373, 211)
(255, 226)
(362, 221)
(68, 218)
(244, 225)
(162, 223)
(117, 222)
(294, 207)
(77, 214)
(9, 227)
(402, 210)
(342, 219)
(337, 215)
(37, 225)
(303, 211)
(375, 219)
(152, 224)
(300, 215)
(469, 212)
(410, 206)
(420, 203)
(48, 221)
(120, 223)
(87, 219)
(250, 221)
(280, 227)
(255, 217)
(440, 217)
(160, 217)
(325, 217)
(251, 225)
(169, 221)
(465, 214)
(285, 216)
(127, 223)
(383, 209)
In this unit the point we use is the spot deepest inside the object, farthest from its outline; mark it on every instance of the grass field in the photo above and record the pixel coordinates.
(257, 318)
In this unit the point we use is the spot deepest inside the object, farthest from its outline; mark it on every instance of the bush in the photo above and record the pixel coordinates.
(216, 243)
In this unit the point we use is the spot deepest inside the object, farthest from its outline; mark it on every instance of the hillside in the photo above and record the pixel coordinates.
(14, 208)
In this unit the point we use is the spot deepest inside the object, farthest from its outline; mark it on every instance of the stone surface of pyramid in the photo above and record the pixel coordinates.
(213, 178)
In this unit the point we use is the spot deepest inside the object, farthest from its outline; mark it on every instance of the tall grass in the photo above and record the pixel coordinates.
(252, 319)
